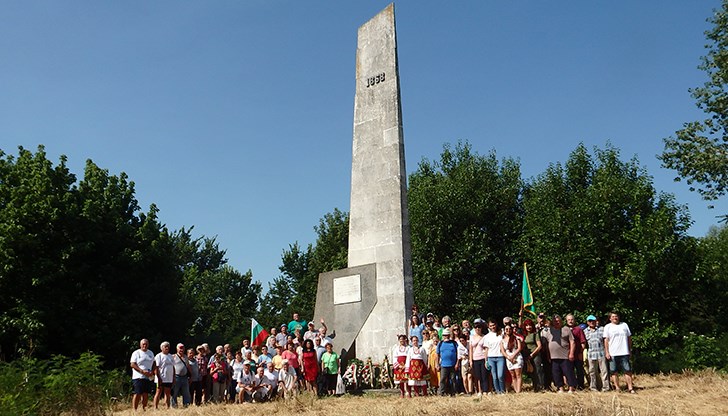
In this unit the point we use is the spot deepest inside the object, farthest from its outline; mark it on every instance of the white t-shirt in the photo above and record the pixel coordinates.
(618, 336)
(325, 340)
(492, 341)
(272, 376)
(180, 365)
(237, 369)
(246, 379)
(165, 367)
(288, 378)
(145, 361)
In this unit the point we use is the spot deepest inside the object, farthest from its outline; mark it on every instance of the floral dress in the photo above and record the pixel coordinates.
(399, 357)
(416, 366)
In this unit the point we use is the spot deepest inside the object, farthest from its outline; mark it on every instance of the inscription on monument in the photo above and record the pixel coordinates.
(347, 289)
(372, 81)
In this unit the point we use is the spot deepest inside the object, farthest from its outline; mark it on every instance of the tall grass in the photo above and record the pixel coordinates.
(59, 385)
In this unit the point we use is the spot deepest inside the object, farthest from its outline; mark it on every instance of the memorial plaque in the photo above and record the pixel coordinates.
(347, 289)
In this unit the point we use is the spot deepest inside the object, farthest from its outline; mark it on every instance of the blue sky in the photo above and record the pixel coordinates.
(236, 116)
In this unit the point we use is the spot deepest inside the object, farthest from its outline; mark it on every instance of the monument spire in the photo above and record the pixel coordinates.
(378, 221)
(371, 300)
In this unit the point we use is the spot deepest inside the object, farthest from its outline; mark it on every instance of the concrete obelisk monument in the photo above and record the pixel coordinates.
(376, 289)
(378, 221)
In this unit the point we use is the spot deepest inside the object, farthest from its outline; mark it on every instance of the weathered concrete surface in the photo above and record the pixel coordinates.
(379, 223)
(346, 319)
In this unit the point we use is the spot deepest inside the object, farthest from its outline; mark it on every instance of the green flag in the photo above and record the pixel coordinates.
(526, 296)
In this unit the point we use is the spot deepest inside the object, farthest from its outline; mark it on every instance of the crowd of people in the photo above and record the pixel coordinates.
(291, 360)
(491, 357)
(437, 355)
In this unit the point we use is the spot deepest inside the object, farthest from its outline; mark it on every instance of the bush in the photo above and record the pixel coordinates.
(702, 351)
(51, 387)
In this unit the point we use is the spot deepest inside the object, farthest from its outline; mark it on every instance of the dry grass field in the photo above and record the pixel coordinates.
(689, 393)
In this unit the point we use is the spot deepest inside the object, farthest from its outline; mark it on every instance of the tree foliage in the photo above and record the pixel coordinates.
(597, 237)
(699, 151)
(465, 217)
(712, 277)
(82, 268)
(294, 290)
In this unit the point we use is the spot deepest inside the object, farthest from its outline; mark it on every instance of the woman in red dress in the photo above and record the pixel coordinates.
(310, 366)
(399, 361)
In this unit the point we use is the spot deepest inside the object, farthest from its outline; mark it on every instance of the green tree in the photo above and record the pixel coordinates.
(35, 198)
(712, 276)
(465, 216)
(295, 289)
(699, 151)
(81, 268)
(597, 237)
(282, 298)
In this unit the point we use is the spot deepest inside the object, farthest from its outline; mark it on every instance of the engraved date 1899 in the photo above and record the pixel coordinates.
(372, 81)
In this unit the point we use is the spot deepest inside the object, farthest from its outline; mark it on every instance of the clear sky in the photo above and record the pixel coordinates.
(236, 116)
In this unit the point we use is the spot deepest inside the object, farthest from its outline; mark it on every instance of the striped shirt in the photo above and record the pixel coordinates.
(595, 343)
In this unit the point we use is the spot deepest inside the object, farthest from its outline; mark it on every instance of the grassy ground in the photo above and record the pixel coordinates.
(689, 393)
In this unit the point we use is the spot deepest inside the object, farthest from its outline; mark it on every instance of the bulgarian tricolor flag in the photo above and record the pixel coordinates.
(258, 334)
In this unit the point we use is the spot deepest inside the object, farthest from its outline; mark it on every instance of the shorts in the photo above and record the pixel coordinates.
(142, 385)
(620, 362)
(515, 366)
(167, 385)
(464, 367)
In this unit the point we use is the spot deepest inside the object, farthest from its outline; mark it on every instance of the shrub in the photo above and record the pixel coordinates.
(51, 387)
(702, 351)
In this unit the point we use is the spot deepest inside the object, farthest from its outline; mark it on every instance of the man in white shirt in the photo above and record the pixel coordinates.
(181, 377)
(246, 384)
(142, 365)
(261, 386)
(617, 349)
(287, 381)
(272, 374)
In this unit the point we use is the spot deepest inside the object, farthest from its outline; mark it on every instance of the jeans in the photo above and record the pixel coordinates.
(480, 375)
(181, 385)
(497, 371)
(447, 382)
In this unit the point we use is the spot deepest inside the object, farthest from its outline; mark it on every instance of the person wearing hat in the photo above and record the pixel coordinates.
(447, 361)
(287, 381)
(246, 384)
(598, 374)
(476, 355)
(311, 333)
(282, 336)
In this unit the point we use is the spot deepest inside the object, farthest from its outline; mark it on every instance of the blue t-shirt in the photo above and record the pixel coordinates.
(448, 352)
(416, 331)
